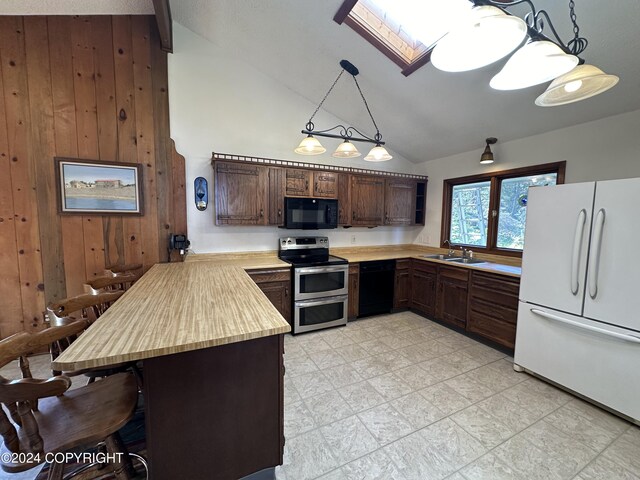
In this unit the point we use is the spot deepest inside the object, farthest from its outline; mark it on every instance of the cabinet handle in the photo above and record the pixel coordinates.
(354, 215)
(279, 212)
(317, 186)
(306, 184)
(286, 291)
(261, 213)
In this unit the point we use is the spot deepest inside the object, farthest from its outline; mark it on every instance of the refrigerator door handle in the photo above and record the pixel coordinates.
(577, 249)
(594, 262)
(602, 331)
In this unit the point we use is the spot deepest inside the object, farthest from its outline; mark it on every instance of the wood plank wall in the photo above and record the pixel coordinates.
(91, 87)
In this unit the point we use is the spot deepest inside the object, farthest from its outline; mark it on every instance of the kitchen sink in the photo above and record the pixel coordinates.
(466, 260)
(443, 257)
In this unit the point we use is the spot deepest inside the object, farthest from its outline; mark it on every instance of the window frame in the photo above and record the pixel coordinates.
(495, 178)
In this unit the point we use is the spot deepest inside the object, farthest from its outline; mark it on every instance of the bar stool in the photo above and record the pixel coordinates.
(63, 420)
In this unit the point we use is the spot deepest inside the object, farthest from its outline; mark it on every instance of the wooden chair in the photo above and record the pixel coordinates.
(110, 283)
(122, 269)
(89, 308)
(63, 420)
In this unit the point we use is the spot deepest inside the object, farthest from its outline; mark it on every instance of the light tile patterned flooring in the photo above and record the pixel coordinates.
(398, 397)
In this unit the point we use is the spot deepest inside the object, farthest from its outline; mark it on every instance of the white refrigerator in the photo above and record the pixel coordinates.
(579, 309)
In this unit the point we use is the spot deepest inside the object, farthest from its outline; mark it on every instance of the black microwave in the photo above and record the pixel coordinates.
(310, 213)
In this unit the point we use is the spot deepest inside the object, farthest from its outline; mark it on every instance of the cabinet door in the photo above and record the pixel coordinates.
(276, 196)
(399, 201)
(367, 200)
(344, 199)
(614, 264)
(297, 182)
(401, 290)
(325, 184)
(278, 293)
(451, 303)
(493, 307)
(241, 194)
(423, 287)
(354, 289)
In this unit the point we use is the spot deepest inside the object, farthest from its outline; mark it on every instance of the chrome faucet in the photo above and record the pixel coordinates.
(452, 252)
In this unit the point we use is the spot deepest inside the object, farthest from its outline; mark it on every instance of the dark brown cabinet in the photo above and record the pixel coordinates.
(402, 285)
(451, 302)
(241, 194)
(367, 200)
(276, 196)
(399, 201)
(297, 182)
(276, 285)
(493, 307)
(424, 276)
(344, 199)
(354, 289)
(325, 184)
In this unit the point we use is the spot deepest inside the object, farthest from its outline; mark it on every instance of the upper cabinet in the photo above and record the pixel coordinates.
(251, 191)
(297, 182)
(399, 201)
(367, 200)
(241, 193)
(325, 184)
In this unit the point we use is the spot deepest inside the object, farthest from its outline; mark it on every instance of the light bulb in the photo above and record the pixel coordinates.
(573, 86)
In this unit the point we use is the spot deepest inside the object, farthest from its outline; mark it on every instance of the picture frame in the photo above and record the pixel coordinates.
(92, 187)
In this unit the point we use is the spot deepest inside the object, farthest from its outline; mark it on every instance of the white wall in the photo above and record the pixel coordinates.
(219, 103)
(605, 149)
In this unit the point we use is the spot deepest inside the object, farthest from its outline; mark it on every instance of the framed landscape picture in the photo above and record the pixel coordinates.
(99, 188)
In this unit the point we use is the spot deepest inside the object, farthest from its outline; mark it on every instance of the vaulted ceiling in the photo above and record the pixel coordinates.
(428, 115)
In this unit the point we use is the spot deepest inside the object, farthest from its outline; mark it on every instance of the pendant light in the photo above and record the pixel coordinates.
(537, 62)
(486, 36)
(584, 81)
(378, 154)
(487, 155)
(312, 146)
(346, 150)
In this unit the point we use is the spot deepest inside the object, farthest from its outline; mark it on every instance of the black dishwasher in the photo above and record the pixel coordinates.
(376, 287)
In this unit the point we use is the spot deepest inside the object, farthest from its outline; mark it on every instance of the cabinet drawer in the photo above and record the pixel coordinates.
(503, 333)
(497, 283)
(453, 273)
(423, 266)
(262, 276)
(488, 308)
(403, 263)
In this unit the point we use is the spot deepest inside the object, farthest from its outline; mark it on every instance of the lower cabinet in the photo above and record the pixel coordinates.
(402, 285)
(451, 302)
(493, 307)
(276, 285)
(354, 289)
(423, 287)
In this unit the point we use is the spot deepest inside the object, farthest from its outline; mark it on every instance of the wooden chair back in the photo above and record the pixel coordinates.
(110, 282)
(28, 430)
(84, 306)
(114, 270)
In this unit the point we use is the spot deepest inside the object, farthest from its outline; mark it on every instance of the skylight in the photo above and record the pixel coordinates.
(404, 30)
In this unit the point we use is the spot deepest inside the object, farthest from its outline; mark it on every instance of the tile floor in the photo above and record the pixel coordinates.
(398, 397)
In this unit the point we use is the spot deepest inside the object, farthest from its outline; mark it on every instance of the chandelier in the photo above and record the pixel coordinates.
(491, 33)
(310, 145)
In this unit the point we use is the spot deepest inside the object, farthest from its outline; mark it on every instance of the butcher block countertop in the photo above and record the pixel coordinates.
(246, 260)
(173, 308)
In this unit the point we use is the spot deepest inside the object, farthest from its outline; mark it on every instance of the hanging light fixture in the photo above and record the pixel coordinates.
(312, 146)
(486, 36)
(492, 32)
(584, 81)
(487, 155)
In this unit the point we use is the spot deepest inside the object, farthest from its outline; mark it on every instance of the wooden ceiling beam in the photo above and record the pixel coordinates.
(165, 27)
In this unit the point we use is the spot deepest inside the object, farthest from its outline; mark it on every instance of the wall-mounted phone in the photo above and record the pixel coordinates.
(179, 242)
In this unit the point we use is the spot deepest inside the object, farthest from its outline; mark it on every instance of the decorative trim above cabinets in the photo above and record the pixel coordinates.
(312, 166)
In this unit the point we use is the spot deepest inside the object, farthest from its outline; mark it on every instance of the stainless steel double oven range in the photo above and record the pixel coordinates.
(320, 283)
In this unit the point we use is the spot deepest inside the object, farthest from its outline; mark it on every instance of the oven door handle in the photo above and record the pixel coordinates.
(321, 301)
(341, 268)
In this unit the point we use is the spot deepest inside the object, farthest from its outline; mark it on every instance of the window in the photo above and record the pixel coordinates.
(488, 212)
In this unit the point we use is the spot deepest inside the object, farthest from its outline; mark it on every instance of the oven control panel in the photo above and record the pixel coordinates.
(303, 243)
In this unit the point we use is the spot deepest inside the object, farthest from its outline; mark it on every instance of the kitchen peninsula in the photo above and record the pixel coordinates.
(211, 345)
